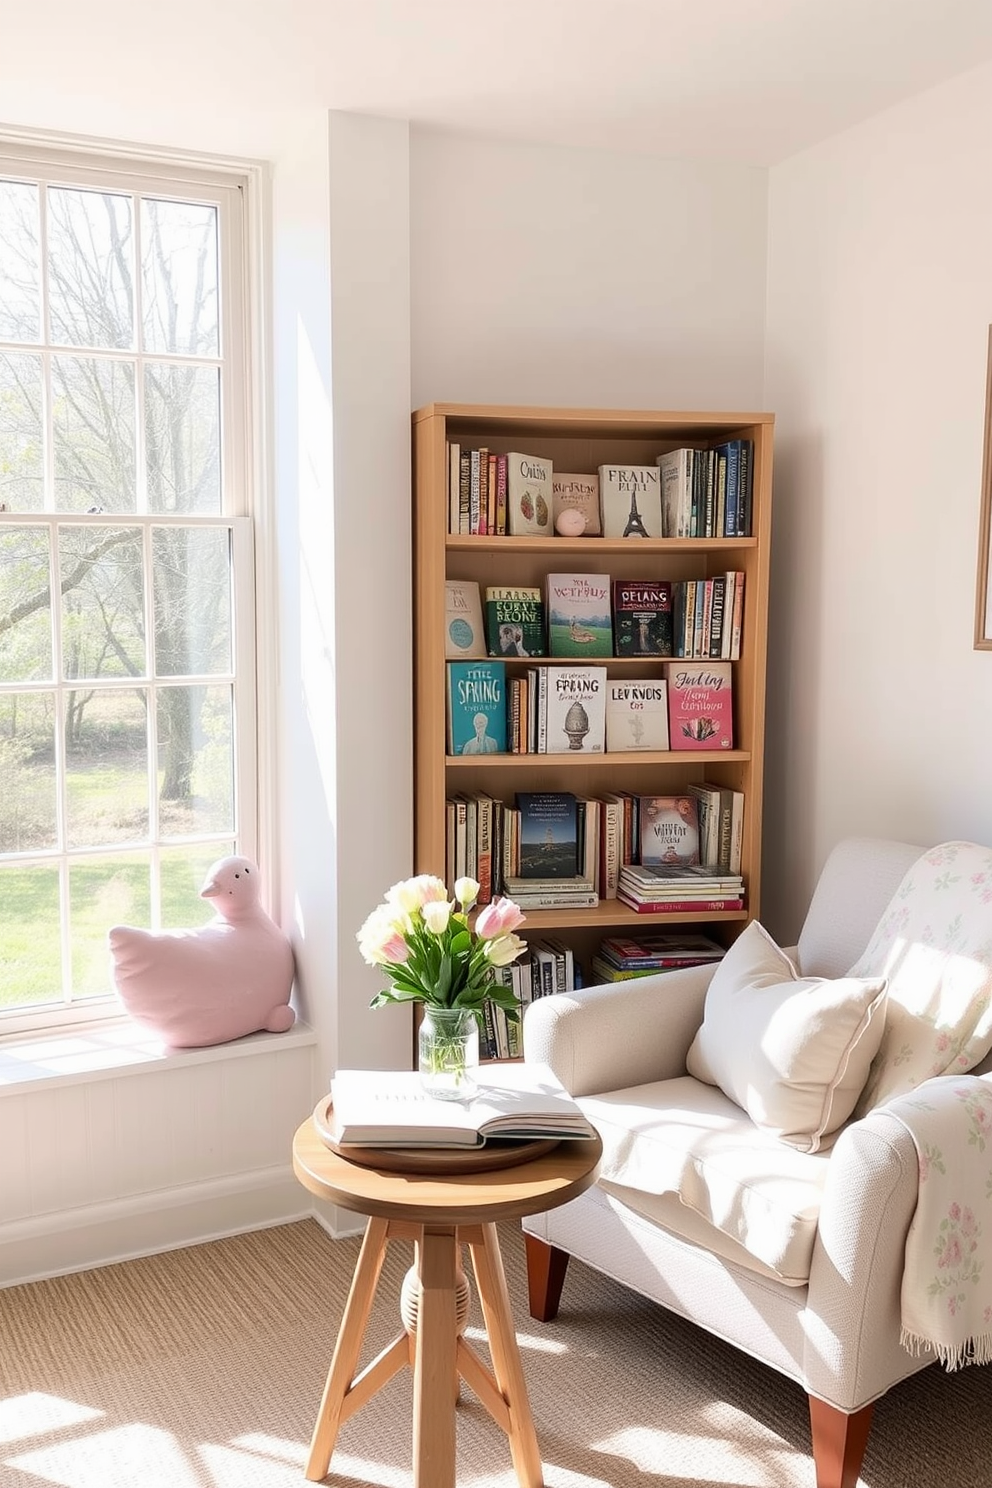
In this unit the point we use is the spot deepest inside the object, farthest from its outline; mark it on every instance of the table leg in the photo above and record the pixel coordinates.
(435, 1368)
(347, 1348)
(495, 1299)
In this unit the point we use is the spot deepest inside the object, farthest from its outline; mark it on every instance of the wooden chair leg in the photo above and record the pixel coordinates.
(839, 1442)
(546, 1267)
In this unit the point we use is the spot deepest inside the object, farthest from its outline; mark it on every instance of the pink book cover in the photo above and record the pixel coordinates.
(700, 705)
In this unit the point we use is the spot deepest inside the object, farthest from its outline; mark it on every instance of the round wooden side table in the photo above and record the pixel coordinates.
(440, 1214)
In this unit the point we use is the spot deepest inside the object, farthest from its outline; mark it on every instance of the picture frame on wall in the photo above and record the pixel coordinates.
(983, 584)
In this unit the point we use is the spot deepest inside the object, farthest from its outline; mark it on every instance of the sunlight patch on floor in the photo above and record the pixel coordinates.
(272, 1446)
(725, 1462)
(137, 1454)
(34, 1414)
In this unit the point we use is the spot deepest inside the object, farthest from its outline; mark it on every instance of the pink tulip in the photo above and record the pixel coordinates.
(501, 917)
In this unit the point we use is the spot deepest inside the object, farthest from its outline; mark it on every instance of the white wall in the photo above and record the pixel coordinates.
(584, 278)
(879, 302)
(498, 273)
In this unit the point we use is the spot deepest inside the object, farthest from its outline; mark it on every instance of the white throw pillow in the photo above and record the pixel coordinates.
(793, 1051)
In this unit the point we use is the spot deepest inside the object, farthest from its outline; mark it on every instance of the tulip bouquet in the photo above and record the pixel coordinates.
(424, 944)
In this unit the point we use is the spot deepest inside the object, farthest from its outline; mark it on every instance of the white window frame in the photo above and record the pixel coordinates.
(239, 190)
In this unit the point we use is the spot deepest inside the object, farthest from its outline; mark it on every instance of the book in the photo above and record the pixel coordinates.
(700, 704)
(556, 899)
(390, 1108)
(528, 495)
(636, 715)
(659, 950)
(579, 884)
(579, 493)
(515, 620)
(676, 469)
(454, 476)
(655, 880)
(642, 617)
(548, 834)
(575, 715)
(668, 829)
(630, 500)
(463, 630)
(677, 906)
(579, 615)
(476, 698)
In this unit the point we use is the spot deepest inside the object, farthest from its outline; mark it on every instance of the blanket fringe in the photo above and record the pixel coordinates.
(977, 1350)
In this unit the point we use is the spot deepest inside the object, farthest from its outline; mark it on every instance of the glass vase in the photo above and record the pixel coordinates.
(449, 1053)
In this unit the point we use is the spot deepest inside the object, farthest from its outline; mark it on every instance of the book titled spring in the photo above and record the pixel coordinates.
(669, 829)
(390, 1108)
(579, 615)
(476, 707)
(700, 704)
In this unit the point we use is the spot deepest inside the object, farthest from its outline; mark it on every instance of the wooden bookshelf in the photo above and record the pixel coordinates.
(582, 440)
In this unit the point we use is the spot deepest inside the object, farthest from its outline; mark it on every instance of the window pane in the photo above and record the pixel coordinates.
(90, 268)
(103, 614)
(106, 767)
(30, 947)
(21, 455)
(182, 438)
(195, 760)
(93, 416)
(25, 605)
(179, 277)
(192, 586)
(20, 262)
(103, 892)
(27, 770)
(184, 871)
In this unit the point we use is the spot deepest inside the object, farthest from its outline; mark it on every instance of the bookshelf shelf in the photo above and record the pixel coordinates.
(595, 761)
(581, 440)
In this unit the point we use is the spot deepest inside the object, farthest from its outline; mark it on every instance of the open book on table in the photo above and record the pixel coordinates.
(390, 1108)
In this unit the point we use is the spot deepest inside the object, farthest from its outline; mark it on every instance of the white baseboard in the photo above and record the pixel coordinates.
(101, 1234)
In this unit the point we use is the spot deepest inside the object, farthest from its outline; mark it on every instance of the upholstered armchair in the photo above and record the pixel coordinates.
(781, 1232)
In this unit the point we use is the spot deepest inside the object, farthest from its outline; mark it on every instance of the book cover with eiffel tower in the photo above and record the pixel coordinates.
(630, 497)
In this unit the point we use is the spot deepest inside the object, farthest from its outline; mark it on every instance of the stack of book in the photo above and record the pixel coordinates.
(622, 956)
(678, 888)
(574, 892)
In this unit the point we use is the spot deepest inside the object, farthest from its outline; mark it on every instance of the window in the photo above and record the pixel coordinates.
(127, 709)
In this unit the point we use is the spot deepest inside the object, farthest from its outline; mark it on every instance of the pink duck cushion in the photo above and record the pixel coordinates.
(229, 978)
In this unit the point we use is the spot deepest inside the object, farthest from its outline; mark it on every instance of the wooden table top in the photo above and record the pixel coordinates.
(452, 1198)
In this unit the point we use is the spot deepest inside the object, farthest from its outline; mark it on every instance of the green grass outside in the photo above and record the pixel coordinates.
(102, 892)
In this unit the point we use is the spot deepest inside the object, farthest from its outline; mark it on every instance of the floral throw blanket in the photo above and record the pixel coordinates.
(947, 1275)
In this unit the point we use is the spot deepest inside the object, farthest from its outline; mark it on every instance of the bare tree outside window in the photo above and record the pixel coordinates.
(121, 583)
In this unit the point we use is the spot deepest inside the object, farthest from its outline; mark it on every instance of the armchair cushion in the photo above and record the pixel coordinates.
(686, 1138)
(934, 946)
(793, 1051)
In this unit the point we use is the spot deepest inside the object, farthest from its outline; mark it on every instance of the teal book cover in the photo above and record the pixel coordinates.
(476, 707)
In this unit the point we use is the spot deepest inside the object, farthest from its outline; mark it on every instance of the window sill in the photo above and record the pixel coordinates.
(79, 1055)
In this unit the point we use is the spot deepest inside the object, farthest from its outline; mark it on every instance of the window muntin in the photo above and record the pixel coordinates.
(127, 713)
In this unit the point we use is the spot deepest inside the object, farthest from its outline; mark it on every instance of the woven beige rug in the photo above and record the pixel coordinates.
(203, 1368)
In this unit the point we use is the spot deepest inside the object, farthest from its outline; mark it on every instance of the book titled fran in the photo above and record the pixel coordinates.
(390, 1108)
